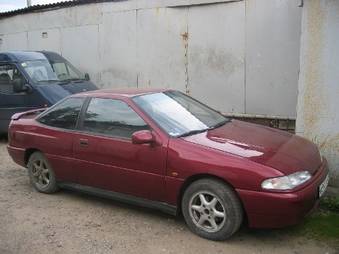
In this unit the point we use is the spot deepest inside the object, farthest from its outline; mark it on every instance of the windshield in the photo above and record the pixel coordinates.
(43, 70)
(66, 71)
(179, 114)
(39, 70)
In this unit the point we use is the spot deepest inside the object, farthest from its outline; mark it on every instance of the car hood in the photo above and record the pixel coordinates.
(54, 92)
(278, 149)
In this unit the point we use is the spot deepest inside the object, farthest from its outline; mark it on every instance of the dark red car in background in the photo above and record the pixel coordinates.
(165, 150)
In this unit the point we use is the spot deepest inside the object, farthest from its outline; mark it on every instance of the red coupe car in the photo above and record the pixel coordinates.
(165, 150)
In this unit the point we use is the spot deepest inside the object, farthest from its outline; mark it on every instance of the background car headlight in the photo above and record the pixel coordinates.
(286, 182)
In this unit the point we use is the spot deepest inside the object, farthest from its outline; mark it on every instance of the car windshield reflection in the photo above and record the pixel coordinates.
(178, 114)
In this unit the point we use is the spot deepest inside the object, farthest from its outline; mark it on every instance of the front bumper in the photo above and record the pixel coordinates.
(275, 210)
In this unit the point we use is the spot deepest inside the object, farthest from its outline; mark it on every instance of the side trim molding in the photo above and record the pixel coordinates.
(125, 198)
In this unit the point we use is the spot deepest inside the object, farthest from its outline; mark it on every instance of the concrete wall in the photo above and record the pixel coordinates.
(238, 56)
(318, 101)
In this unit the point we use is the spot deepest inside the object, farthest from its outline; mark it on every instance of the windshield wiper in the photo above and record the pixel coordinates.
(64, 82)
(219, 124)
(189, 133)
(48, 80)
(74, 79)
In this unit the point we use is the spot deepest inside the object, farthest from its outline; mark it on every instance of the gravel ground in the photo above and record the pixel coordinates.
(68, 222)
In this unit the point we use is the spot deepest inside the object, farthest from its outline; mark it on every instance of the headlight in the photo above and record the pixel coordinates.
(286, 182)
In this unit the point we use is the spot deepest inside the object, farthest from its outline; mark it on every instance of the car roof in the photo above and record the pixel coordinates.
(26, 55)
(52, 56)
(122, 92)
(20, 56)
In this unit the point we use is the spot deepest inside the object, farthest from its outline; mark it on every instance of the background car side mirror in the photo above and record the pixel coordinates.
(19, 85)
(143, 137)
(87, 76)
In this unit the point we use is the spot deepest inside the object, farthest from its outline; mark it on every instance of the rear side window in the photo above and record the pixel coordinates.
(113, 118)
(63, 115)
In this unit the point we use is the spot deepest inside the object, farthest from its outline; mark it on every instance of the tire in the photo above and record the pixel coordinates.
(208, 200)
(41, 174)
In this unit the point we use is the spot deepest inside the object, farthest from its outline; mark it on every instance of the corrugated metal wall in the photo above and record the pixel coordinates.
(237, 56)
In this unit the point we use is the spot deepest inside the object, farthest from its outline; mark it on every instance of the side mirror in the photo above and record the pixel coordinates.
(19, 85)
(143, 137)
(87, 76)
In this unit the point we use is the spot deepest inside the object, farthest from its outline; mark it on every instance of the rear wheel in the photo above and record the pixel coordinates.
(41, 173)
(211, 209)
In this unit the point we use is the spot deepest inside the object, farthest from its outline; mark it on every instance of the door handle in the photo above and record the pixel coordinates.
(83, 142)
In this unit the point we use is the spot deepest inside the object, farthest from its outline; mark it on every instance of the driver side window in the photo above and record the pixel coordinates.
(8, 73)
(113, 118)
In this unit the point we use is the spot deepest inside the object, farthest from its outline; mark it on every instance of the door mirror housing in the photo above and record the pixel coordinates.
(19, 85)
(143, 137)
(87, 76)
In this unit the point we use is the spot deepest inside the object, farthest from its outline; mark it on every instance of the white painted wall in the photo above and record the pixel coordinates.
(160, 48)
(14, 41)
(318, 100)
(216, 49)
(80, 44)
(36, 41)
(238, 56)
(272, 50)
(119, 44)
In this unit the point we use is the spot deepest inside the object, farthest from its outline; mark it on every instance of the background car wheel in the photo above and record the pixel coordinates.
(211, 209)
(41, 173)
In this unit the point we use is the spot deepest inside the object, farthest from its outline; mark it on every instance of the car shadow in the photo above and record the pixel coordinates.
(261, 235)
(3, 138)
(106, 202)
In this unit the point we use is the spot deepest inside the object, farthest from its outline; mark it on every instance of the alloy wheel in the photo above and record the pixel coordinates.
(40, 173)
(207, 211)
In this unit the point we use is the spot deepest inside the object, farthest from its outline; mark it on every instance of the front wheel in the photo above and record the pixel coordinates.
(41, 173)
(211, 209)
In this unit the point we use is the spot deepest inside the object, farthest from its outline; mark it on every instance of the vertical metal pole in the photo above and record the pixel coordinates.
(29, 3)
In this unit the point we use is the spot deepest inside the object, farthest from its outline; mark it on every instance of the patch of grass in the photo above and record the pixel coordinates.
(322, 225)
(330, 204)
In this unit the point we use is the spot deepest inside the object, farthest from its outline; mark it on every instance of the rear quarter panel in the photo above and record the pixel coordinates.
(56, 145)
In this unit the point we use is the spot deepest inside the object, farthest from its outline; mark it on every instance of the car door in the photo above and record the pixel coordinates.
(106, 156)
(54, 137)
(10, 101)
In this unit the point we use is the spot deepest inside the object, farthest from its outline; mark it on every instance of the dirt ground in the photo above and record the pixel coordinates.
(68, 222)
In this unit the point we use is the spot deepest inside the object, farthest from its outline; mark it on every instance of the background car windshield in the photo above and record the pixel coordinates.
(39, 70)
(43, 70)
(66, 71)
(177, 113)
